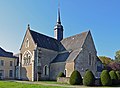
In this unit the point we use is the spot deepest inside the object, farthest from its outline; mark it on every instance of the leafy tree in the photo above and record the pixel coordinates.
(117, 55)
(88, 79)
(114, 66)
(105, 78)
(75, 78)
(105, 60)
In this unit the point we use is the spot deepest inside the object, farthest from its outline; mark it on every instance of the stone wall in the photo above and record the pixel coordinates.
(45, 58)
(63, 79)
(55, 69)
(69, 67)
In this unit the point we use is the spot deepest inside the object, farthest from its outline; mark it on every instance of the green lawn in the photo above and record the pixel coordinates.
(7, 84)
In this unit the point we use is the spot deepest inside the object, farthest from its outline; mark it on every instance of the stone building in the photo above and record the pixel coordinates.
(7, 65)
(43, 57)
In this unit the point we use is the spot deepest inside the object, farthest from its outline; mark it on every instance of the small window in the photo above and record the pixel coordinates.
(2, 62)
(46, 70)
(11, 63)
(11, 73)
(27, 43)
(65, 72)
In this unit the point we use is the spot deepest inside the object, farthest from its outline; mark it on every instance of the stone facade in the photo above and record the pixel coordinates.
(87, 57)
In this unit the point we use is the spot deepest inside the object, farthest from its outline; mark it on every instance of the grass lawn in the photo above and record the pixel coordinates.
(7, 84)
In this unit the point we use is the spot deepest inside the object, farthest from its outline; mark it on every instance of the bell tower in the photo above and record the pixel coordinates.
(58, 29)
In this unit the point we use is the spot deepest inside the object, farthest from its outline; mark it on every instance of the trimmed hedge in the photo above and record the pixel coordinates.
(61, 74)
(89, 79)
(114, 77)
(118, 74)
(105, 78)
(75, 78)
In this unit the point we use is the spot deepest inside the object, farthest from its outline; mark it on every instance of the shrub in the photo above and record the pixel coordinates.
(105, 78)
(61, 74)
(75, 78)
(118, 76)
(114, 77)
(89, 79)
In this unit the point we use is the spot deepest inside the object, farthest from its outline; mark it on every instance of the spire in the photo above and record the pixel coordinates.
(58, 29)
(58, 19)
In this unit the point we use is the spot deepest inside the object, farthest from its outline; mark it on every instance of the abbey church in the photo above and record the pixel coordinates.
(43, 57)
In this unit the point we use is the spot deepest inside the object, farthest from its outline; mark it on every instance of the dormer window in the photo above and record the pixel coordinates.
(27, 43)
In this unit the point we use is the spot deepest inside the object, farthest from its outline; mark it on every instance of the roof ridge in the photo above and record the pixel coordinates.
(76, 35)
(43, 34)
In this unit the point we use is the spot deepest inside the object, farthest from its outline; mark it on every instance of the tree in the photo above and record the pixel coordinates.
(105, 60)
(117, 55)
(114, 66)
(88, 79)
(105, 78)
(75, 78)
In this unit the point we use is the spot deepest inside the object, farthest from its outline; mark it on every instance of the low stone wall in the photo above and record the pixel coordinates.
(63, 79)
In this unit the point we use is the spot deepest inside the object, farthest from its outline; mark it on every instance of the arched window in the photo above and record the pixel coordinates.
(46, 70)
(27, 43)
(65, 71)
(27, 58)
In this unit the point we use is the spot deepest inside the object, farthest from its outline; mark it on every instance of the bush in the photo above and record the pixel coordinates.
(75, 78)
(105, 78)
(118, 76)
(61, 74)
(114, 77)
(89, 79)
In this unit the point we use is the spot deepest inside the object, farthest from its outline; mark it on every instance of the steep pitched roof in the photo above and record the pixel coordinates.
(4, 53)
(45, 41)
(74, 42)
(73, 45)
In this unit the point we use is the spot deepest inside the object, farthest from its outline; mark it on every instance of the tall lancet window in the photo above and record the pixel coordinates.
(90, 59)
(27, 43)
(46, 70)
(27, 58)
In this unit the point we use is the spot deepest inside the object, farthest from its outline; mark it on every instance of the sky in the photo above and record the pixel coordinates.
(101, 17)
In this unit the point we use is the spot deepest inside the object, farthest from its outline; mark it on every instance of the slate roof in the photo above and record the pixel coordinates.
(61, 57)
(73, 45)
(74, 42)
(45, 41)
(4, 53)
